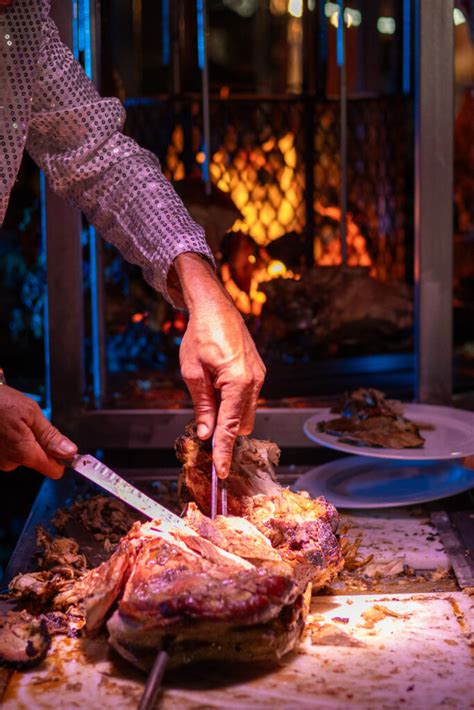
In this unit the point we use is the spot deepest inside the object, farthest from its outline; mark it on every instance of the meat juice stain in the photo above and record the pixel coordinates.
(459, 616)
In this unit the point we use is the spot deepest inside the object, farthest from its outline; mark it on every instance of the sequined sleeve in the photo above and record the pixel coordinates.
(76, 137)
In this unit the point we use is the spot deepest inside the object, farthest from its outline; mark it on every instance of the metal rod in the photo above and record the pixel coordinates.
(175, 57)
(434, 85)
(308, 119)
(203, 63)
(89, 34)
(214, 489)
(224, 497)
(341, 60)
(153, 684)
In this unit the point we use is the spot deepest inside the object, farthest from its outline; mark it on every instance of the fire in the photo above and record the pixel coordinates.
(265, 185)
(251, 303)
(329, 252)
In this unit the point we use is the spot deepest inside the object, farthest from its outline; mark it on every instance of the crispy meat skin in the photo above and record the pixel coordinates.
(55, 586)
(24, 640)
(299, 528)
(251, 643)
(178, 594)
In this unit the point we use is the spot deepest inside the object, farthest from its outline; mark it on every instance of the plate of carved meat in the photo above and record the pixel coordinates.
(360, 482)
(367, 423)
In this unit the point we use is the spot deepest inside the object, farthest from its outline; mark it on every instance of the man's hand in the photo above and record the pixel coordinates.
(217, 353)
(27, 438)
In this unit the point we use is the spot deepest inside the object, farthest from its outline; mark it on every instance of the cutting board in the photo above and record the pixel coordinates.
(418, 655)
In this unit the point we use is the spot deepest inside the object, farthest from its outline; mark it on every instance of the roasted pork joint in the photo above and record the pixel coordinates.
(233, 589)
(181, 596)
(300, 529)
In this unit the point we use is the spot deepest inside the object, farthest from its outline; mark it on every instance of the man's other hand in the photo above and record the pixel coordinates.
(27, 438)
(217, 353)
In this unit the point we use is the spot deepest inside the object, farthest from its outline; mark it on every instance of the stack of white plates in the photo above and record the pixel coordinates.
(381, 478)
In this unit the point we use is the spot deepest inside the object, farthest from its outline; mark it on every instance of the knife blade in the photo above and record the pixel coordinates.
(100, 474)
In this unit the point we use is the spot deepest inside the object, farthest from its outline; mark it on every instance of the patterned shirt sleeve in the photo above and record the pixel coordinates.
(76, 137)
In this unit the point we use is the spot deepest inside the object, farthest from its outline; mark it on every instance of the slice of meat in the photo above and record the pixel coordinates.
(239, 536)
(24, 640)
(384, 431)
(369, 419)
(101, 587)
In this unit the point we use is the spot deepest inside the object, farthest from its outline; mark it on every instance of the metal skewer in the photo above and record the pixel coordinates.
(217, 484)
(214, 489)
(153, 684)
(224, 496)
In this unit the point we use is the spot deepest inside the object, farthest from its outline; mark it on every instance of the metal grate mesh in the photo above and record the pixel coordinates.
(262, 151)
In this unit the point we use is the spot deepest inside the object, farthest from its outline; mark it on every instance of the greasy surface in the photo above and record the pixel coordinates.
(168, 586)
(376, 667)
(419, 658)
(396, 550)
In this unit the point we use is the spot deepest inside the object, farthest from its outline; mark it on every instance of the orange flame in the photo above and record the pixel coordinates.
(251, 303)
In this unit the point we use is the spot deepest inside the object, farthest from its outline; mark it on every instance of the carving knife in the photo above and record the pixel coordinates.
(97, 472)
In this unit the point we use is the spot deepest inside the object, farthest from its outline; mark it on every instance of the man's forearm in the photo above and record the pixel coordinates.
(194, 283)
(118, 185)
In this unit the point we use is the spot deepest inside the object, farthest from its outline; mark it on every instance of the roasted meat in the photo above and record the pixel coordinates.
(54, 587)
(181, 594)
(369, 419)
(24, 640)
(300, 529)
(231, 589)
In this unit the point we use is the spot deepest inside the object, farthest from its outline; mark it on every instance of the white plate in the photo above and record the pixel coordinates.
(361, 482)
(451, 438)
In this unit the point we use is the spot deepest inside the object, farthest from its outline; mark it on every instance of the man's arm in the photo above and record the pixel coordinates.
(76, 137)
(217, 353)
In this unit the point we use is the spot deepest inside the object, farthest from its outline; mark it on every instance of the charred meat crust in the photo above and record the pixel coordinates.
(257, 643)
(24, 640)
(233, 590)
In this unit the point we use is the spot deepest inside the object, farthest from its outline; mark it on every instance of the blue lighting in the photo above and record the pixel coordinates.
(200, 33)
(47, 359)
(205, 165)
(165, 32)
(139, 101)
(340, 34)
(406, 82)
(75, 38)
(95, 306)
(83, 49)
(84, 35)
